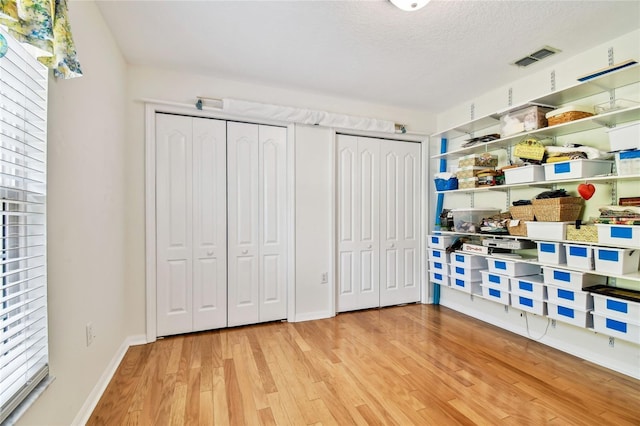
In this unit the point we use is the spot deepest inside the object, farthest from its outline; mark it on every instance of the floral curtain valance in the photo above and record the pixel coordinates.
(43, 24)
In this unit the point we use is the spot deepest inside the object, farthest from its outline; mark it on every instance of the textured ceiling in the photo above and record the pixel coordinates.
(431, 59)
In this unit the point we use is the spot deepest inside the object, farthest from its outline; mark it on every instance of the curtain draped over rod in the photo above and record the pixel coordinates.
(43, 24)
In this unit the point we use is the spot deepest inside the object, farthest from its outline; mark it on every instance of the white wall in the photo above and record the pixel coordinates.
(86, 220)
(623, 357)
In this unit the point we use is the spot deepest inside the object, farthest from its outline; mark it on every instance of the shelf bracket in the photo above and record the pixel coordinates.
(553, 80)
(510, 101)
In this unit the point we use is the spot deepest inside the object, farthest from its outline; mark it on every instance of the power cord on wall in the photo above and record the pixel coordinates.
(526, 320)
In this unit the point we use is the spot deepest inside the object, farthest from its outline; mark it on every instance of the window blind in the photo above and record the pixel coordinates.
(24, 354)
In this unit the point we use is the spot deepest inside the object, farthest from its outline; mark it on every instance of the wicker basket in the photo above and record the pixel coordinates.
(562, 209)
(522, 212)
(567, 116)
(586, 233)
(519, 230)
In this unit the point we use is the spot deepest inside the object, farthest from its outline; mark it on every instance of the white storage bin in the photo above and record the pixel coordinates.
(619, 235)
(529, 304)
(616, 261)
(570, 315)
(438, 255)
(616, 308)
(530, 286)
(576, 169)
(579, 256)
(495, 294)
(470, 274)
(467, 286)
(628, 163)
(523, 174)
(551, 253)
(494, 280)
(441, 241)
(574, 280)
(512, 268)
(566, 297)
(469, 219)
(624, 137)
(625, 330)
(468, 260)
(547, 231)
(438, 278)
(439, 267)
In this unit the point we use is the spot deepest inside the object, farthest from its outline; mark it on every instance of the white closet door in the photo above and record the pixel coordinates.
(272, 223)
(358, 223)
(243, 244)
(174, 252)
(209, 224)
(399, 222)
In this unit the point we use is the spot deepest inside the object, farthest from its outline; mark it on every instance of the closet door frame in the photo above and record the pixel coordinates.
(151, 108)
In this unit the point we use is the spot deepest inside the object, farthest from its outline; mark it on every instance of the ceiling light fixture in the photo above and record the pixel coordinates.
(409, 5)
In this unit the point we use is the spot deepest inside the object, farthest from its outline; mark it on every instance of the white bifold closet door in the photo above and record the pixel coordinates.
(378, 222)
(257, 223)
(191, 224)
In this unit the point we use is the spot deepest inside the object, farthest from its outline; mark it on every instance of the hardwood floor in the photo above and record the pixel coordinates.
(416, 364)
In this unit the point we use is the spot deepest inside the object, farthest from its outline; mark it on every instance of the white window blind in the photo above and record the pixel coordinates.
(24, 353)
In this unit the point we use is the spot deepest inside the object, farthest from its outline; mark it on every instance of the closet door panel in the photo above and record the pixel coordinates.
(400, 205)
(272, 222)
(209, 224)
(174, 253)
(243, 226)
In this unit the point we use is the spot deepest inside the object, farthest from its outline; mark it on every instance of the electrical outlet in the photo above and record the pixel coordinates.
(553, 323)
(90, 333)
(612, 342)
(324, 278)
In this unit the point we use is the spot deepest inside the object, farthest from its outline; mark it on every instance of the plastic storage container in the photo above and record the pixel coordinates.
(625, 137)
(570, 315)
(495, 294)
(573, 280)
(530, 286)
(615, 307)
(468, 286)
(529, 304)
(438, 278)
(625, 330)
(469, 274)
(551, 253)
(547, 231)
(619, 235)
(439, 267)
(440, 241)
(498, 281)
(438, 255)
(470, 219)
(512, 268)
(616, 261)
(523, 174)
(628, 163)
(566, 297)
(576, 169)
(579, 256)
(523, 120)
(468, 260)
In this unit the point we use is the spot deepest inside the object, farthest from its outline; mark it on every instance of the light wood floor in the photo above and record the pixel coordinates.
(416, 364)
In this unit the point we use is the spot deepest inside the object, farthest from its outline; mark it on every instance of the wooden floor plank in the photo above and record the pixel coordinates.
(415, 364)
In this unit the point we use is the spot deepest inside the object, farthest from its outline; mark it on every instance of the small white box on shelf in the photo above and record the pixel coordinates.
(574, 280)
(547, 231)
(530, 286)
(438, 255)
(576, 169)
(616, 327)
(494, 280)
(497, 295)
(438, 278)
(551, 252)
(619, 235)
(524, 174)
(529, 304)
(470, 274)
(570, 315)
(440, 241)
(616, 308)
(616, 261)
(579, 256)
(566, 297)
(628, 162)
(624, 137)
(472, 287)
(512, 268)
(468, 260)
(439, 267)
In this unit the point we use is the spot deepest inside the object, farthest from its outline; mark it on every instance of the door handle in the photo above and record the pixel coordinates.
(210, 253)
(393, 245)
(369, 246)
(245, 251)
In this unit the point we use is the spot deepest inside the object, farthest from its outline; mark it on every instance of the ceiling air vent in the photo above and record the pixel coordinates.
(536, 56)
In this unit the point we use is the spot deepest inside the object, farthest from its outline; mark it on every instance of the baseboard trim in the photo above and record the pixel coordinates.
(92, 400)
